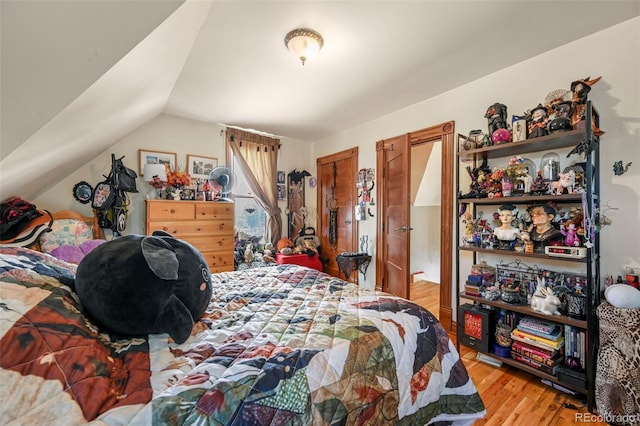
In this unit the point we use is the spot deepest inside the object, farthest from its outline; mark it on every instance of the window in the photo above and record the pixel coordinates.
(251, 220)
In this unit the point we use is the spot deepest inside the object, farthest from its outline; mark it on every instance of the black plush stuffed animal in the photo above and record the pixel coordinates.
(139, 284)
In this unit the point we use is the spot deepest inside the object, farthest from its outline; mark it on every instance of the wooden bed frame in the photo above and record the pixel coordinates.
(90, 221)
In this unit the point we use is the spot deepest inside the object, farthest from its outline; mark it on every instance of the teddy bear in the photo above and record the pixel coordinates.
(140, 284)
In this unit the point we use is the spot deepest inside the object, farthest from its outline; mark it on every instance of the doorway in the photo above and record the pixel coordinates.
(336, 196)
(393, 243)
(425, 204)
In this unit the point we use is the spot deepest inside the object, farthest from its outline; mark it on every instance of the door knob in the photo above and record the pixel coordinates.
(348, 222)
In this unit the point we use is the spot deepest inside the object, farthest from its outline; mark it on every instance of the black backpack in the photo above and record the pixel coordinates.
(15, 215)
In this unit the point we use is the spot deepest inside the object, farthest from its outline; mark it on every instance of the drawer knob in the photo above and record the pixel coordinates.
(165, 229)
(172, 211)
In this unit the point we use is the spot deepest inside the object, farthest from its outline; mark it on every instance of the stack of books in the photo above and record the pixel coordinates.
(474, 286)
(538, 344)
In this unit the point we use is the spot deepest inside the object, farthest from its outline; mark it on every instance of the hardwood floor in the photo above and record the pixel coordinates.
(511, 396)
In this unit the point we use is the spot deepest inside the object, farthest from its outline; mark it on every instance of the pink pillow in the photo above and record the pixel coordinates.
(74, 254)
(87, 246)
(71, 254)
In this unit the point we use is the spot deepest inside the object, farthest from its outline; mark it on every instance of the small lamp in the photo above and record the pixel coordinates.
(156, 176)
(304, 43)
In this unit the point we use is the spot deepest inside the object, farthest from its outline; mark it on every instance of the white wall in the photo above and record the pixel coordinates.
(613, 54)
(164, 133)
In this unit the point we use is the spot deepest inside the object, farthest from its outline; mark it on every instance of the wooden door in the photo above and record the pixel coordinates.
(394, 227)
(337, 195)
(385, 155)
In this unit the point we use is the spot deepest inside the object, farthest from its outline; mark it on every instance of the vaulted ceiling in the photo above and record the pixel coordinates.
(77, 76)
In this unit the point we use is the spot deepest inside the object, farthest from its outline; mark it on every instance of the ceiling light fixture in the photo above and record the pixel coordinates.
(304, 43)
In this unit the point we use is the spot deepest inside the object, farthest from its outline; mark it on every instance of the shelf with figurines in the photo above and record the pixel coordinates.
(549, 213)
(542, 230)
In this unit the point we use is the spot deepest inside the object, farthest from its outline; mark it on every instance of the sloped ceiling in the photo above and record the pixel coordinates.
(77, 76)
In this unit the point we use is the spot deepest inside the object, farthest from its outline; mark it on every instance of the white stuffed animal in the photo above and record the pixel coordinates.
(248, 253)
(543, 300)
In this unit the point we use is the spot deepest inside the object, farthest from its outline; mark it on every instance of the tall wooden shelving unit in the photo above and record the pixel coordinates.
(590, 264)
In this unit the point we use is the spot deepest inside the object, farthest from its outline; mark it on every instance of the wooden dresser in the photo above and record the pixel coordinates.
(207, 225)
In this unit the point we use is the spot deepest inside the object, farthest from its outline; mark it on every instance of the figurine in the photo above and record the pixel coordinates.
(567, 181)
(581, 89)
(544, 301)
(479, 181)
(619, 169)
(561, 121)
(542, 232)
(506, 232)
(539, 186)
(496, 115)
(538, 123)
(570, 235)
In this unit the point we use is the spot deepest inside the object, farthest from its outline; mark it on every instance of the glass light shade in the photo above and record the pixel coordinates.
(151, 170)
(304, 43)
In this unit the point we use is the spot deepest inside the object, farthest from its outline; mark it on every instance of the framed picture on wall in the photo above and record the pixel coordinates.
(280, 177)
(156, 157)
(199, 167)
(282, 192)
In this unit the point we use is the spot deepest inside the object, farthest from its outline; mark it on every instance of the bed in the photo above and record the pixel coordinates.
(277, 345)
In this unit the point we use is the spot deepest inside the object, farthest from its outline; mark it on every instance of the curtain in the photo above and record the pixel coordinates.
(257, 157)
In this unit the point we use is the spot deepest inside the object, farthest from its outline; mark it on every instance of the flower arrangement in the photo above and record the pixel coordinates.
(516, 167)
(178, 179)
(157, 183)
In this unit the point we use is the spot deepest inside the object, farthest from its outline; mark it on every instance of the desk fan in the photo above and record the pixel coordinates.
(223, 180)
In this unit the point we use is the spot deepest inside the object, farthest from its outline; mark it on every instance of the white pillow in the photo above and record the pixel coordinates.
(623, 296)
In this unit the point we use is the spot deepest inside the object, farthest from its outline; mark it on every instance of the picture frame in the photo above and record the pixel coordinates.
(280, 177)
(282, 192)
(148, 156)
(199, 166)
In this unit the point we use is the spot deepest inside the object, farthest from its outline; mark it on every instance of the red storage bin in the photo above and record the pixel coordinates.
(312, 262)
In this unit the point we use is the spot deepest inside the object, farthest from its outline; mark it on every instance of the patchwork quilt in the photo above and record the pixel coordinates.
(281, 345)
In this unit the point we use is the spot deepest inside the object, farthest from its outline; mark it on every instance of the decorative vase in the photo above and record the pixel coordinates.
(506, 187)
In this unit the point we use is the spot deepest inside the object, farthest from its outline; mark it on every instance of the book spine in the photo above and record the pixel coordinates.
(550, 353)
(534, 364)
(536, 356)
(554, 337)
(533, 338)
(534, 324)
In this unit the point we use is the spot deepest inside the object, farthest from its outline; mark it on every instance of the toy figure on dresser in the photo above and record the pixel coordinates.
(542, 231)
(539, 186)
(538, 123)
(506, 233)
(496, 116)
(566, 183)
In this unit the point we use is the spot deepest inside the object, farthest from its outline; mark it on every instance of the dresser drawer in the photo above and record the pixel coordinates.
(215, 210)
(182, 229)
(219, 262)
(222, 243)
(170, 210)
